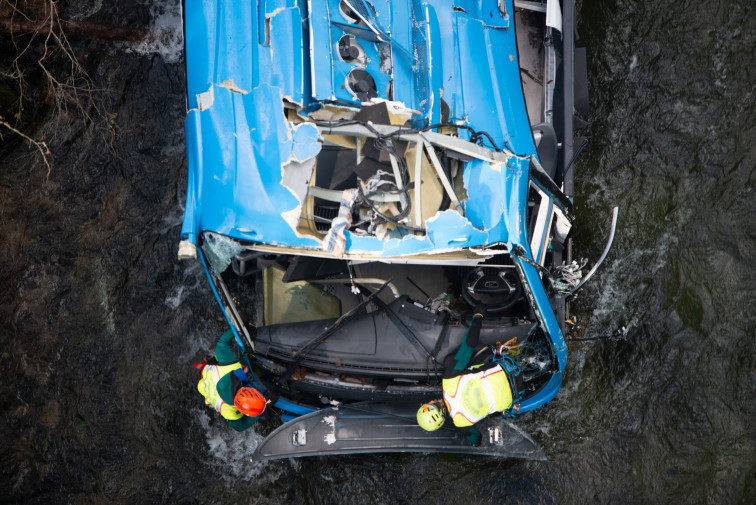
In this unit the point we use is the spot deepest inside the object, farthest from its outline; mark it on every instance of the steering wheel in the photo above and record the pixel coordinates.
(495, 288)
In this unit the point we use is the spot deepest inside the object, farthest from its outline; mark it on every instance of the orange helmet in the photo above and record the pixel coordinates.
(249, 402)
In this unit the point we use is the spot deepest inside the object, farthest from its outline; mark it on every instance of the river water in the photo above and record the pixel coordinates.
(100, 323)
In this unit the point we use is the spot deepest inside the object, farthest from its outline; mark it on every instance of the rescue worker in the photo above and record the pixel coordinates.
(226, 389)
(472, 390)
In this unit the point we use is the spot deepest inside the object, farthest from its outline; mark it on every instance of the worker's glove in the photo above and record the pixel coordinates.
(474, 438)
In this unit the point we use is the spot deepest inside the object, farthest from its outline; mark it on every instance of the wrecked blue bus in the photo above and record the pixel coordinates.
(362, 174)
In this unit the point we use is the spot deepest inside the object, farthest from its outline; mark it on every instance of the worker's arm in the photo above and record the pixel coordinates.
(466, 350)
(243, 423)
(224, 353)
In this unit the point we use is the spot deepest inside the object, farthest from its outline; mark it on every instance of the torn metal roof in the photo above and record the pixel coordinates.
(251, 162)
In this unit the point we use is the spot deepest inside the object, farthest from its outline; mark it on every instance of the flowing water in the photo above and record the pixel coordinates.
(100, 323)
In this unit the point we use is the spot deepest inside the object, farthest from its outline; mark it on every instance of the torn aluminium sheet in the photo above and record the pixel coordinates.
(262, 173)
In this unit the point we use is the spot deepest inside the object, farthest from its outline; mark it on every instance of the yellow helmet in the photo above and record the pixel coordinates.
(431, 416)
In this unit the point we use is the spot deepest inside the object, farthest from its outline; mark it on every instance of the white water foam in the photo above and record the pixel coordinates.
(230, 452)
(173, 301)
(193, 277)
(167, 32)
(620, 281)
(172, 221)
(83, 9)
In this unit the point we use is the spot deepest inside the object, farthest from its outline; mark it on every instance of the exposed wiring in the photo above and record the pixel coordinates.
(475, 135)
(384, 142)
(565, 277)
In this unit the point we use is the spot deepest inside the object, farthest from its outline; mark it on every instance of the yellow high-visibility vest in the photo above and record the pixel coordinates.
(208, 387)
(471, 397)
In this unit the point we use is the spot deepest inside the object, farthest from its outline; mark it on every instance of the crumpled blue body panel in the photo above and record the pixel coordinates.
(253, 56)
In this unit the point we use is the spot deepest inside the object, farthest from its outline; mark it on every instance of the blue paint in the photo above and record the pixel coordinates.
(235, 152)
(547, 393)
(456, 56)
(305, 142)
(223, 38)
(296, 409)
(486, 210)
(449, 230)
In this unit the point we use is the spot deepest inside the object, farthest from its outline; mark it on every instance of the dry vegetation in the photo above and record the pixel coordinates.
(41, 76)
